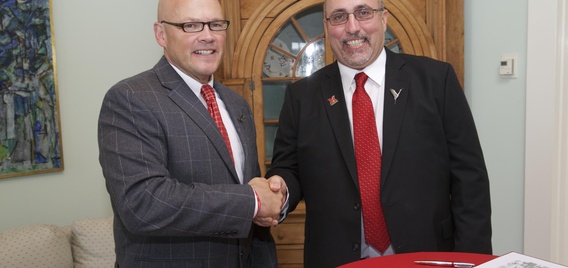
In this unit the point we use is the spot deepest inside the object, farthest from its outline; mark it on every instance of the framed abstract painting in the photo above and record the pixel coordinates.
(30, 129)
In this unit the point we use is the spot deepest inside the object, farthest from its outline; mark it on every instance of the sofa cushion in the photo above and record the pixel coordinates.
(93, 243)
(40, 245)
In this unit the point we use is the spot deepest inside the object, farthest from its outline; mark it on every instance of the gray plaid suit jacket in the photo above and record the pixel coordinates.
(175, 194)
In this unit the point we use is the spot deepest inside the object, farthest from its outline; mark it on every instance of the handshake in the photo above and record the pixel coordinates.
(272, 194)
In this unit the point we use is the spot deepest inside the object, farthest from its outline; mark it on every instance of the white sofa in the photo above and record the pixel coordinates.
(84, 243)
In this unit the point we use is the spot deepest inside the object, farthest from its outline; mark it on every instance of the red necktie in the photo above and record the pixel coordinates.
(209, 96)
(368, 159)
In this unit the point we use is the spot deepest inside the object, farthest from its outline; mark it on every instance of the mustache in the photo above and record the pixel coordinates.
(351, 37)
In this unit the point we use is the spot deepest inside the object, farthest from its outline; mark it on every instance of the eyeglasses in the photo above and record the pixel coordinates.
(197, 26)
(341, 17)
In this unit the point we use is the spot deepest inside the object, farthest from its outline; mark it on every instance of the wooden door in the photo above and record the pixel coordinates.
(264, 34)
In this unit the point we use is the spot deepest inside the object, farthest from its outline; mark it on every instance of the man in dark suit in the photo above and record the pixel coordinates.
(434, 187)
(184, 186)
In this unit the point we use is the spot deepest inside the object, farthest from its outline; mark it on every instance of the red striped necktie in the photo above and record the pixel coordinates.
(209, 96)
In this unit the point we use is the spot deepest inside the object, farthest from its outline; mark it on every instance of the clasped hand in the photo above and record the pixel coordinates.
(272, 194)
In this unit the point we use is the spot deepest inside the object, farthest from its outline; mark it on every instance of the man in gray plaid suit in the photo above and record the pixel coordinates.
(185, 189)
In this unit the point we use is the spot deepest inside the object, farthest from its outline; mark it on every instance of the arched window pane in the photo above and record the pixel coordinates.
(311, 21)
(312, 59)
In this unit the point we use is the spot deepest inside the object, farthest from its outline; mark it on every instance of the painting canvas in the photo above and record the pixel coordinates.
(30, 134)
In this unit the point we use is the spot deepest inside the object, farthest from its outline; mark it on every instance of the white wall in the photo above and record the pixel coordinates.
(97, 44)
(101, 42)
(546, 178)
(493, 28)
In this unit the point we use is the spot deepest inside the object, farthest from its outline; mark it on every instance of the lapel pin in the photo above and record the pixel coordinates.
(242, 118)
(395, 94)
(332, 100)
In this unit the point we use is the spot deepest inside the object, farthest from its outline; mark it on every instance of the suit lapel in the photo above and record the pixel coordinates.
(182, 95)
(238, 115)
(393, 116)
(331, 88)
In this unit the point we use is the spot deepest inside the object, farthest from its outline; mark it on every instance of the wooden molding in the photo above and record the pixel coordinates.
(406, 23)
(454, 36)
(231, 8)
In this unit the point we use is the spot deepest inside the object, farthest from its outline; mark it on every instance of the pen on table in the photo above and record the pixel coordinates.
(446, 263)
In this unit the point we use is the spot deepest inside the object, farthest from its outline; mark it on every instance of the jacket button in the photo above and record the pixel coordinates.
(356, 206)
(356, 247)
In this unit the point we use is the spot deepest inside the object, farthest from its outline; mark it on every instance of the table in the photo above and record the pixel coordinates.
(407, 260)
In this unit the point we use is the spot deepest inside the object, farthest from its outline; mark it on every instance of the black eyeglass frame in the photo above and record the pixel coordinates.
(181, 25)
(374, 10)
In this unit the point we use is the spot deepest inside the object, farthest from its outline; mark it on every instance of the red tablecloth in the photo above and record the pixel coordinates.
(407, 260)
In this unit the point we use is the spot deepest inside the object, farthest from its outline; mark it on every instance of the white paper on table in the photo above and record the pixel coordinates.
(517, 260)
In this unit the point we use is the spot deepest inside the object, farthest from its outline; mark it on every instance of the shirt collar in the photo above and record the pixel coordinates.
(193, 84)
(375, 71)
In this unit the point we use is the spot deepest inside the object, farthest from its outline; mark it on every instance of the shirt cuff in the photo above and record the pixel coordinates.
(284, 210)
(256, 204)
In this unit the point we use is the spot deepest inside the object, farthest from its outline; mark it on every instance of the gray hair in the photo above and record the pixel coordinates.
(381, 5)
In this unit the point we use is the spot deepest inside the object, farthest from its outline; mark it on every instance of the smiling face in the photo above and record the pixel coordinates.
(356, 44)
(196, 54)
